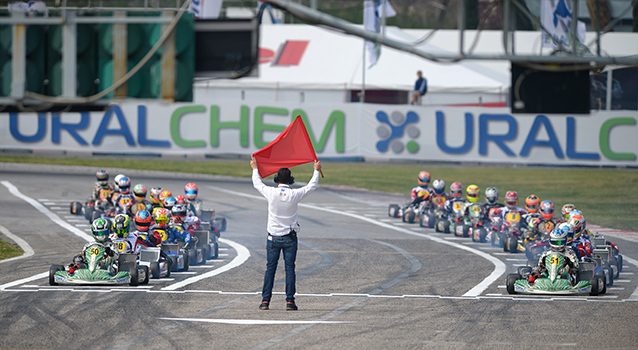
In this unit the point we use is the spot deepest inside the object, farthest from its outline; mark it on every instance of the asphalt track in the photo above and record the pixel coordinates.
(364, 280)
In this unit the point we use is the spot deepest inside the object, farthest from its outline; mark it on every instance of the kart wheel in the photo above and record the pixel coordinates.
(431, 220)
(88, 212)
(466, 231)
(423, 220)
(146, 274)
(602, 282)
(186, 263)
(513, 245)
(76, 207)
(52, 270)
(437, 226)
(609, 275)
(619, 261)
(216, 251)
(393, 210)
(482, 235)
(595, 289)
(206, 253)
(173, 264)
(135, 277)
(409, 217)
(509, 282)
(446, 227)
(192, 256)
(95, 215)
(222, 224)
(155, 269)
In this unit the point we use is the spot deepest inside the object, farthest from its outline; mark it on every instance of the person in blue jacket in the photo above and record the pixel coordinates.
(420, 88)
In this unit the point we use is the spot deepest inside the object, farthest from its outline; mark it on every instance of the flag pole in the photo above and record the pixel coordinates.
(363, 74)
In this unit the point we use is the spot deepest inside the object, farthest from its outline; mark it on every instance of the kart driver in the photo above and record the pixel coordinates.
(557, 243)
(100, 228)
(193, 204)
(173, 233)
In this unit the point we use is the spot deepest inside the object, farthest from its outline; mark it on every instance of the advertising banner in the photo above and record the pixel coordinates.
(457, 134)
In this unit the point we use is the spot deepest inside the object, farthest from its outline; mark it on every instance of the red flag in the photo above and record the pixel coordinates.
(291, 148)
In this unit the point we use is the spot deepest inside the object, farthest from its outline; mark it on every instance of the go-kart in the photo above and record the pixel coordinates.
(216, 225)
(511, 233)
(97, 271)
(609, 253)
(556, 280)
(195, 252)
(158, 265)
(477, 223)
(458, 223)
(102, 203)
(179, 260)
(207, 241)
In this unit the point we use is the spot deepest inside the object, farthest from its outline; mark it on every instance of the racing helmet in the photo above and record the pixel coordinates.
(180, 199)
(190, 190)
(121, 225)
(438, 186)
(169, 202)
(102, 177)
(139, 191)
(456, 189)
(101, 229)
(124, 183)
(165, 194)
(179, 212)
(511, 199)
(155, 192)
(532, 202)
(143, 220)
(424, 179)
(472, 193)
(566, 209)
(558, 239)
(547, 210)
(491, 195)
(569, 230)
(577, 222)
(162, 216)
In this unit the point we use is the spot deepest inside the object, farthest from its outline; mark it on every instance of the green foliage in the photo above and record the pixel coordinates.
(607, 197)
(8, 250)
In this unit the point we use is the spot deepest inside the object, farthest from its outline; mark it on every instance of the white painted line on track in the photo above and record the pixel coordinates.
(26, 248)
(242, 255)
(249, 322)
(14, 191)
(499, 266)
(24, 280)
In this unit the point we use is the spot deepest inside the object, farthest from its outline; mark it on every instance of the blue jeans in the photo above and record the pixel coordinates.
(274, 246)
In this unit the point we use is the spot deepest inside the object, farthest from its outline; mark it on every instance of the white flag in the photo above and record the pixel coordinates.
(372, 22)
(556, 18)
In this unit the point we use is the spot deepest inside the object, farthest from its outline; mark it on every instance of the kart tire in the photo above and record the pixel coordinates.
(76, 208)
(88, 212)
(493, 239)
(186, 263)
(222, 224)
(52, 270)
(483, 235)
(594, 287)
(146, 274)
(192, 256)
(216, 251)
(409, 217)
(510, 280)
(422, 221)
(446, 227)
(393, 210)
(619, 261)
(466, 231)
(513, 245)
(600, 277)
(431, 220)
(609, 276)
(173, 263)
(437, 226)
(155, 269)
(135, 277)
(95, 215)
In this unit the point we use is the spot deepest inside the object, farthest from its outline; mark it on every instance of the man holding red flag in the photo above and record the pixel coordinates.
(282, 227)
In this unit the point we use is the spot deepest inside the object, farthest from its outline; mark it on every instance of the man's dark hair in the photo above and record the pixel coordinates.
(284, 176)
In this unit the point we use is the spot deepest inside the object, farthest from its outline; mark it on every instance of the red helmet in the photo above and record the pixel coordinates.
(456, 189)
(180, 199)
(143, 220)
(532, 203)
(424, 179)
(511, 198)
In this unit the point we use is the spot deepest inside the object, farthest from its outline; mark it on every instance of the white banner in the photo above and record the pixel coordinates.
(556, 18)
(471, 134)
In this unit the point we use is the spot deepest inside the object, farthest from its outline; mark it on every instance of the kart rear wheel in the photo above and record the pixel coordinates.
(186, 263)
(609, 275)
(146, 274)
(215, 251)
(155, 269)
(513, 245)
(135, 278)
(88, 213)
(602, 282)
(173, 264)
(76, 207)
(446, 227)
(619, 261)
(594, 287)
(409, 217)
(509, 282)
(393, 210)
(431, 220)
(482, 235)
(52, 270)
(466, 231)
(192, 256)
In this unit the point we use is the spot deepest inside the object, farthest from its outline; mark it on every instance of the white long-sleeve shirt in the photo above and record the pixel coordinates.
(282, 203)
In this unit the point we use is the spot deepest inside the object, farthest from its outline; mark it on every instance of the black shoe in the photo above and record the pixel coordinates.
(264, 305)
(290, 306)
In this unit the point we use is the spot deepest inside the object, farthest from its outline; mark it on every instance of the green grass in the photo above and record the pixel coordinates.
(8, 250)
(607, 197)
